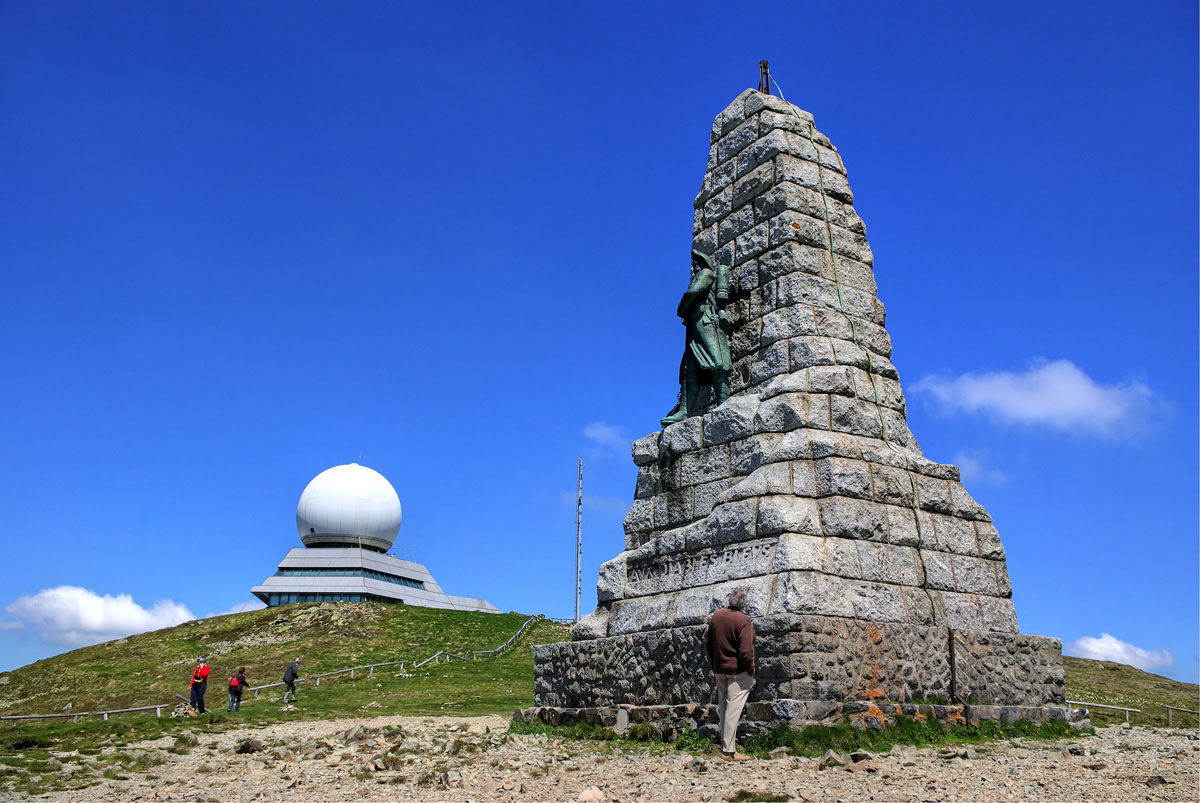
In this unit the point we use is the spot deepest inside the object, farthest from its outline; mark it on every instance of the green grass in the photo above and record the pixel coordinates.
(485, 686)
(1109, 683)
(844, 738)
(815, 740)
(138, 671)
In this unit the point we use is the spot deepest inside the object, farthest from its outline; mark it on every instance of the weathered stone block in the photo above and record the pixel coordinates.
(749, 245)
(640, 517)
(645, 450)
(696, 467)
(728, 522)
(673, 507)
(773, 478)
(853, 518)
(989, 541)
(684, 436)
(734, 224)
(791, 257)
(789, 411)
(732, 143)
(749, 453)
(770, 361)
(706, 496)
(837, 476)
(952, 534)
(612, 580)
(889, 564)
(731, 116)
(788, 514)
(752, 184)
(797, 552)
(810, 351)
(647, 482)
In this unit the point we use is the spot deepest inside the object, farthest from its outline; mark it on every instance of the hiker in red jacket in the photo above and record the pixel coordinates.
(199, 684)
(237, 684)
(730, 645)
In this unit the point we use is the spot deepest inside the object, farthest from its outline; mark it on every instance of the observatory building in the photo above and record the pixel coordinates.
(348, 517)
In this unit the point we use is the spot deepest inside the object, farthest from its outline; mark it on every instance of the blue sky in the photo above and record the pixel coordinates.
(242, 243)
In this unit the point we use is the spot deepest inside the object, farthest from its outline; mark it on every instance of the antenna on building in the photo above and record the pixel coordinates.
(764, 77)
(578, 537)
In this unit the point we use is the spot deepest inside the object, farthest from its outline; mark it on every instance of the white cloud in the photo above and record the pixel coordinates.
(607, 436)
(974, 468)
(11, 626)
(76, 617)
(1055, 394)
(1111, 648)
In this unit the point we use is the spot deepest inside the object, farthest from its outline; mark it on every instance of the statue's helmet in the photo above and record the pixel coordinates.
(700, 261)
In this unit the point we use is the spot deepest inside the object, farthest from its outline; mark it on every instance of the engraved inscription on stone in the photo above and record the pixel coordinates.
(686, 570)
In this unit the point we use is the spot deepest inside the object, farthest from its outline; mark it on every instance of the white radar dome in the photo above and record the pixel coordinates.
(349, 506)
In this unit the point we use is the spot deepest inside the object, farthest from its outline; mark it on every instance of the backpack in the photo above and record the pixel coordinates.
(233, 682)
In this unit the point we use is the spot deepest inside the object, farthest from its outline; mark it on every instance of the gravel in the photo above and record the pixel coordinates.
(473, 758)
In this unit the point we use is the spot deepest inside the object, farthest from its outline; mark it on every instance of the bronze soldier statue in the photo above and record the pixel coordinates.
(706, 358)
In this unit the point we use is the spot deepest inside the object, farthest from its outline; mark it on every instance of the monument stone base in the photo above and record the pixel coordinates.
(670, 721)
(826, 658)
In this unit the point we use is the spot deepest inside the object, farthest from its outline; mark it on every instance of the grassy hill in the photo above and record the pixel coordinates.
(150, 668)
(1109, 683)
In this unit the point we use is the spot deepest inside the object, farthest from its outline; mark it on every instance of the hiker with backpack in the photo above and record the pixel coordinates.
(237, 685)
(290, 675)
(199, 684)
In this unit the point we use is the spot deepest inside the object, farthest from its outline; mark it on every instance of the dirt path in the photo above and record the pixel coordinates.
(406, 758)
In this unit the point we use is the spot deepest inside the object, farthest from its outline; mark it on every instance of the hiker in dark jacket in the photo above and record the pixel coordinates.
(730, 646)
(290, 675)
(237, 684)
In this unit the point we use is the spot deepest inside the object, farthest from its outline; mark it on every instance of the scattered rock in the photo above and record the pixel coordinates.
(778, 752)
(1155, 780)
(590, 795)
(832, 759)
(249, 745)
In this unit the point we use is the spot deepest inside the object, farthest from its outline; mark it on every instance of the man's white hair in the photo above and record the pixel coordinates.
(736, 599)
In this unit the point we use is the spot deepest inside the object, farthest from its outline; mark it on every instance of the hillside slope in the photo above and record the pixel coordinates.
(150, 668)
(1111, 683)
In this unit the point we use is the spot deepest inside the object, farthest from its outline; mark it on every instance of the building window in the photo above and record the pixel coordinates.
(275, 600)
(370, 574)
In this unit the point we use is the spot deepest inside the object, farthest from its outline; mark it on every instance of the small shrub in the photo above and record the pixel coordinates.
(742, 796)
(691, 741)
(644, 732)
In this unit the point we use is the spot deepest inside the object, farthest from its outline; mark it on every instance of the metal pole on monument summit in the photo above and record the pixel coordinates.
(578, 534)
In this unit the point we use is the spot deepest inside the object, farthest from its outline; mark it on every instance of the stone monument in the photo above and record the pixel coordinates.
(876, 583)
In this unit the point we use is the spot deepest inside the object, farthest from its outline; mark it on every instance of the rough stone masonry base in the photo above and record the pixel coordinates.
(807, 658)
(669, 721)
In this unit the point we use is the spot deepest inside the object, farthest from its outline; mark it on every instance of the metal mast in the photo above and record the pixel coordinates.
(578, 534)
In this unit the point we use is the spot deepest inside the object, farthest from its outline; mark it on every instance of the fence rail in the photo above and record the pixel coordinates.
(1171, 709)
(436, 658)
(1101, 705)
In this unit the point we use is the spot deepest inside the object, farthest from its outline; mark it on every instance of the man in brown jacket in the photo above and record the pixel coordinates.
(730, 644)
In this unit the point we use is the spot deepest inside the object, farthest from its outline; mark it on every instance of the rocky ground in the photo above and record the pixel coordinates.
(404, 758)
